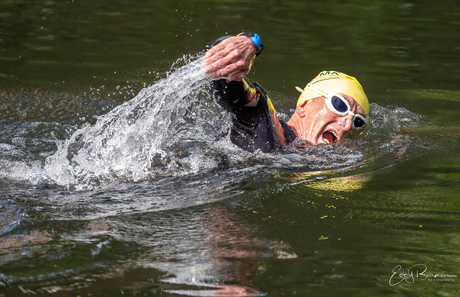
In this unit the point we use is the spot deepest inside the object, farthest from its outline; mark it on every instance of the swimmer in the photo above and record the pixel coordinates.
(329, 106)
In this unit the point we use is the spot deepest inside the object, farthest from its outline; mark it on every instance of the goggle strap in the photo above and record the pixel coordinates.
(300, 89)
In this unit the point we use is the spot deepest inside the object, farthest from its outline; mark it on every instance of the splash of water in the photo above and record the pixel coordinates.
(386, 120)
(138, 139)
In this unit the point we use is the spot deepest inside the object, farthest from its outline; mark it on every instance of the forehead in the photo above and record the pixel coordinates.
(354, 106)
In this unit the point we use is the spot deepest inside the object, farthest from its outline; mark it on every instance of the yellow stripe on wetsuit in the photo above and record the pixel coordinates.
(253, 96)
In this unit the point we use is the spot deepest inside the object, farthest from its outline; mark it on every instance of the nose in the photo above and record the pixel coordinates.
(347, 122)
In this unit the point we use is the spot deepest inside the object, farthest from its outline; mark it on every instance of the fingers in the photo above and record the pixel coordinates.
(227, 45)
(218, 53)
(231, 71)
(226, 65)
(218, 49)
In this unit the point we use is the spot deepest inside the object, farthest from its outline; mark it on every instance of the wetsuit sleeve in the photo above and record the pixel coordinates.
(253, 127)
(234, 95)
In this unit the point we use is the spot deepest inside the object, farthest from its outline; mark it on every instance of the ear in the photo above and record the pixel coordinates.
(300, 109)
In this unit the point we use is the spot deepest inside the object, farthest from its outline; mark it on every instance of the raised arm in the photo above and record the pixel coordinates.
(255, 124)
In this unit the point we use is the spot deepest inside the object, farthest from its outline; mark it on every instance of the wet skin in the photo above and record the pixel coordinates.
(315, 123)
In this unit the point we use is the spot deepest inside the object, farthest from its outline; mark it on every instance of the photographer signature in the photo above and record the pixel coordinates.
(417, 271)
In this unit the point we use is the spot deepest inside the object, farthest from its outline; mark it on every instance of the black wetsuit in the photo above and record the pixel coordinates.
(253, 127)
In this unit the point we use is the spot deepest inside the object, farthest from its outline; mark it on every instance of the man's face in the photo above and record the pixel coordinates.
(321, 125)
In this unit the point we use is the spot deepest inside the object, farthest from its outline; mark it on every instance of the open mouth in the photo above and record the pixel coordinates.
(329, 137)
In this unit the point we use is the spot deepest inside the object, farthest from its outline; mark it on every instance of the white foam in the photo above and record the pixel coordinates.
(127, 142)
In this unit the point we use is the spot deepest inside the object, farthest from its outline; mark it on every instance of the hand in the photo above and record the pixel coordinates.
(231, 57)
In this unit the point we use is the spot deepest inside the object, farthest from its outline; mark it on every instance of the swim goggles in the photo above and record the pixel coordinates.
(340, 106)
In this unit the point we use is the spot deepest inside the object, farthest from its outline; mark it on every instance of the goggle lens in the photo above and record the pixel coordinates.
(339, 104)
(358, 122)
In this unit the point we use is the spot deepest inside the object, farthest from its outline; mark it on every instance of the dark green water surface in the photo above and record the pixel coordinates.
(377, 215)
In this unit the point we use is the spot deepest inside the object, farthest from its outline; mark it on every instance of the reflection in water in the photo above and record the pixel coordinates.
(209, 252)
(222, 256)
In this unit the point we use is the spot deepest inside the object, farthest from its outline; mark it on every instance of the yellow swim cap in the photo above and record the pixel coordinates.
(336, 82)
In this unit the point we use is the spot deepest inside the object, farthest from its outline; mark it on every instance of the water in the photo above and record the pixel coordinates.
(117, 176)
